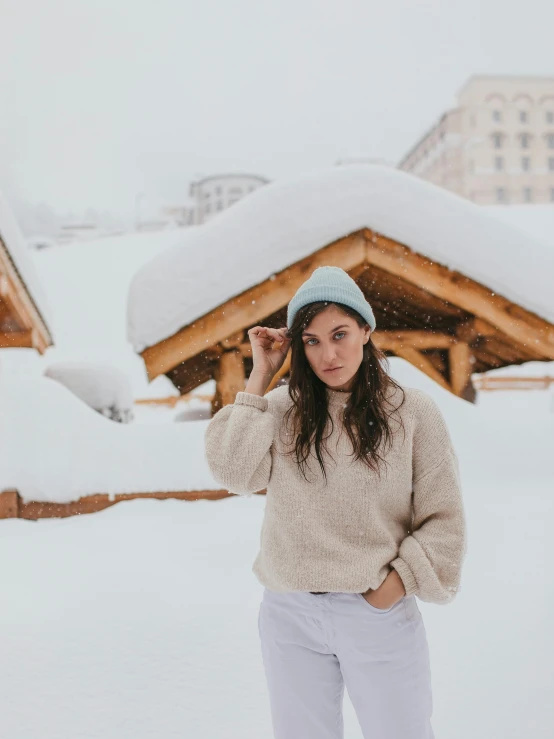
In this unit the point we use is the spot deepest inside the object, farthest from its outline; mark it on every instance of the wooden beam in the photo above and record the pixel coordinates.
(20, 304)
(420, 361)
(473, 329)
(393, 290)
(16, 339)
(231, 342)
(229, 379)
(521, 325)
(508, 353)
(250, 307)
(417, 339)
(460, 368)
(437, 359)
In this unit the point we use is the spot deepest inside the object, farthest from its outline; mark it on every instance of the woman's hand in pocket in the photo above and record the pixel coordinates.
(389, 592)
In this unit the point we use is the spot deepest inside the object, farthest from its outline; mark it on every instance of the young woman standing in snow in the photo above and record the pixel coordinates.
(363, 512)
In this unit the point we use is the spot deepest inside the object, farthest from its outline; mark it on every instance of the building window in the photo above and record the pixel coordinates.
(523, 116)
(218, 190)
(497, 140)
(552, 194)
(500, 195)
(551, 164)
(499, 163)
(207, 208)
(524, 140)
(497, 116)
(219, 205)
(550, 140)
(527, 195)
(550, 116)
(526, 164)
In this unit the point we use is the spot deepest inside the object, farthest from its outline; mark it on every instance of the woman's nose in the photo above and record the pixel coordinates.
(329, 355)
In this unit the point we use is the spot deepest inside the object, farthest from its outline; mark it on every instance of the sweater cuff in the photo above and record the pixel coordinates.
(408, 580)
(256, 401)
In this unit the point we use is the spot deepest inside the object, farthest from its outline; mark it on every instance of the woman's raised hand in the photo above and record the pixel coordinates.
(268, 360)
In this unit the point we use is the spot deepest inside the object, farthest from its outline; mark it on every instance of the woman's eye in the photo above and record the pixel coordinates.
(339, 333)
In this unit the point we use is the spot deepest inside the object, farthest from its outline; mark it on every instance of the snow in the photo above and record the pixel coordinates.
(18, 251)
(141, 620)
(76, 451)
(534, 220)
(87, 284)
(285, 221)
(103, 388)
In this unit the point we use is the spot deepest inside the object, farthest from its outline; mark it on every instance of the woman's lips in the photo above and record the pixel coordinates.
(332, 370)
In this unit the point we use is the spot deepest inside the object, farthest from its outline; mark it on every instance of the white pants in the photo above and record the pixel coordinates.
(313, 645)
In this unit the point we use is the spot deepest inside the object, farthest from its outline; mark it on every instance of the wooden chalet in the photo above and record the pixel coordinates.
(22, 323)
(443, 322)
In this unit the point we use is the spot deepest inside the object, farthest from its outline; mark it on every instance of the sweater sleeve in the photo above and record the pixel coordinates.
(237, 443)
(430, 559)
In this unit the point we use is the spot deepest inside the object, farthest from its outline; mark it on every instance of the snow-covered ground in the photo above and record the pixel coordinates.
(141, 620)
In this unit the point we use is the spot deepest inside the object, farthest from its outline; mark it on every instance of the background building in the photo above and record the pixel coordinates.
(213, 194)
(496, 146)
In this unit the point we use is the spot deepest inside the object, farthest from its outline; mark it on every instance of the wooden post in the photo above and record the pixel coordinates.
(420, 361)
(229, 379)
(9, 504)
(460, 370)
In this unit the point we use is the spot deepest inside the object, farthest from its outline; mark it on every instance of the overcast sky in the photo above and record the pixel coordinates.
(104, 99)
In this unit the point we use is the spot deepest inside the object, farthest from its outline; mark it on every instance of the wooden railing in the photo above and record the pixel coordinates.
(490, 382)
(12, 506)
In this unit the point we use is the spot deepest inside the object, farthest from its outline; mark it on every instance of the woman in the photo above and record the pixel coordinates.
(363, 512)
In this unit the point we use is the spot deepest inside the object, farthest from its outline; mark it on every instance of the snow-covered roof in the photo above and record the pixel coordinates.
(287, 220)
(534, 220)
(18, 251)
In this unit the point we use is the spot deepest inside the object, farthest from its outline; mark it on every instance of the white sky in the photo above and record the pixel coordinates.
(104, 99)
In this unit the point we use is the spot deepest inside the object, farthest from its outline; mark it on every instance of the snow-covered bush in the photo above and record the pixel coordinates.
(103, 388)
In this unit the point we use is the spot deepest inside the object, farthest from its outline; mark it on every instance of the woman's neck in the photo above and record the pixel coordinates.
(337, 397)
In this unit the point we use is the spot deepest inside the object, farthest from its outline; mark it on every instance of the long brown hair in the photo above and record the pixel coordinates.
(366, 419)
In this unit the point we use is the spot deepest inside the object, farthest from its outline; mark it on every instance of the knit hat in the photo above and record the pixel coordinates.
(336, 286)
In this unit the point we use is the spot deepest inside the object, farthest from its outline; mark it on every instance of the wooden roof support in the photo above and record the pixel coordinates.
(461, 362)
(415, 339)
(229, 379)
(250, 307)
(420, 361)
(383, 268)
(521, 325)
(20, 304)
(12, 339)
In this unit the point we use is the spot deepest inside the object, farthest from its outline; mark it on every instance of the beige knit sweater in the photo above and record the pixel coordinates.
(344, 536)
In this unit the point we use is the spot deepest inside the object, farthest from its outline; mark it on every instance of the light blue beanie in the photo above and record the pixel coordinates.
(336, 286)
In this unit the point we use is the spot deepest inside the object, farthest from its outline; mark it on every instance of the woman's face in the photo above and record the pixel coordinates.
(334, 341)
